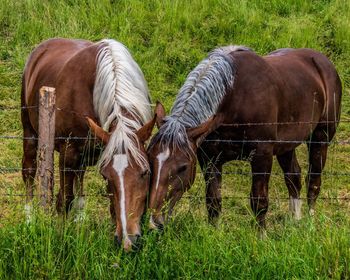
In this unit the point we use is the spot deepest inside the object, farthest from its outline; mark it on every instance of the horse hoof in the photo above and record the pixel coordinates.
(262, 234)
(28, 212)
(79, 217)
(312, 212)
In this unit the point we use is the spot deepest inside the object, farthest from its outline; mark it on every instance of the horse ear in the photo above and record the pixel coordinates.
(144, 133)
(160, 113)
(98, 131)
(198, 134)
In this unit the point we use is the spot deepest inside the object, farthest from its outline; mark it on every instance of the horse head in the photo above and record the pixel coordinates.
(173, 164)
(128, 182)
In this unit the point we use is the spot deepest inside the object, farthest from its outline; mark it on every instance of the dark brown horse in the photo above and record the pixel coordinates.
(238, 105)
(95, 83)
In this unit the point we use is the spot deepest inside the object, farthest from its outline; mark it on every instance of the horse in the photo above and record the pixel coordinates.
(99, 89)
(237, 105)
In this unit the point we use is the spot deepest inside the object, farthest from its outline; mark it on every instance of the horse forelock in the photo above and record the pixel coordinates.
(120, 87)
(172, 135)
(199, 97)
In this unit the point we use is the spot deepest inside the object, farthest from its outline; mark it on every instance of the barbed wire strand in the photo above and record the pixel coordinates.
(189, 196)
(5, 108)
(69, 138)
(5, 170)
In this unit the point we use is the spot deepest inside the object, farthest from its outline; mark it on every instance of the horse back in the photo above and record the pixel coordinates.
(46, 67)
(297, 85)
(282, 96)
(307, 70)
(45, 63)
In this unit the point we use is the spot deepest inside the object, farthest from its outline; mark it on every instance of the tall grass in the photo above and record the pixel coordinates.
(188, 248)
(168, 38)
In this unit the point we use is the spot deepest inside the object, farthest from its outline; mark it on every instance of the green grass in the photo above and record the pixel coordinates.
(168, 39)
(188, 248)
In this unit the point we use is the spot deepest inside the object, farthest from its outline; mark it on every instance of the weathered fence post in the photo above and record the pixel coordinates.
(45, 171)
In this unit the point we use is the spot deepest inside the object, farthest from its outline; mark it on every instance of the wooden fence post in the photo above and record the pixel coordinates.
(46, 142)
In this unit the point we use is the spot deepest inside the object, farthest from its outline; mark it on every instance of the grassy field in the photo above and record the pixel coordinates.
(168, 39)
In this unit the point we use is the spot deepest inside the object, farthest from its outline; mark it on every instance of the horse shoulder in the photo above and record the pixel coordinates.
(74, 89)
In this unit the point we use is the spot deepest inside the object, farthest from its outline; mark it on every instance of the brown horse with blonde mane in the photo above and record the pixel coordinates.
(99, 87)
(238, 105)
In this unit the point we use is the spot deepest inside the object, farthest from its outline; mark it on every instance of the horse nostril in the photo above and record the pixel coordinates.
(160, 227)
(134, 238)
(156, 224)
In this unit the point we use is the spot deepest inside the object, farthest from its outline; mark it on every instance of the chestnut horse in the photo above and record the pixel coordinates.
(246, 107)
(95, 83)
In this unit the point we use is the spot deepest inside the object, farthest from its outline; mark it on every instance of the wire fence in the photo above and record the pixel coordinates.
(14, 169)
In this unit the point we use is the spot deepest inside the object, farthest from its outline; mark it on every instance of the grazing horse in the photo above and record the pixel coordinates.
(238, 105)
(95, 83)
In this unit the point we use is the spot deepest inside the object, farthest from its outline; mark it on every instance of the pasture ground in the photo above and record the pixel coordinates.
(168, 39)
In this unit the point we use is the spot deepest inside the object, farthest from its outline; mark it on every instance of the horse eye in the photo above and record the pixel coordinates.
(181, 168)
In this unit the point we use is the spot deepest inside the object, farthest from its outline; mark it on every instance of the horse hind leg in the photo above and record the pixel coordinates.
(29, 164)
(213, 179)
(261, 169)
(292, 178)
(318, 147)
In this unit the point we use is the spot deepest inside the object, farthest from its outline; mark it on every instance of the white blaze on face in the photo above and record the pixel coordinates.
(120, 162)
(161, 157)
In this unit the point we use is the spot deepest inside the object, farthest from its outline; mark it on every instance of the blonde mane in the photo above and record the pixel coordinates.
(120, 87)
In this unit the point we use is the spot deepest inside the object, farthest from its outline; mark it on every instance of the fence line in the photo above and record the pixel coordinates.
(330, 198)
(4, 170)
(4, 108)
(8, 108)
(337, 142)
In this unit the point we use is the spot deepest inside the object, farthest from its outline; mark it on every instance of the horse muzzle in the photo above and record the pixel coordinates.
(156, 222)
(130, 243)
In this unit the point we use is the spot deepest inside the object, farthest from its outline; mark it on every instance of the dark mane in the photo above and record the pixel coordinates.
(199, 98)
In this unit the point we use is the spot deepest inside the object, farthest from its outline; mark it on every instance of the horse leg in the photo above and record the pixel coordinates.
(212, 175)
(317, 159)
(29, 165)
(68, 164)
(261, 165)
(79, 203)
(292, 177)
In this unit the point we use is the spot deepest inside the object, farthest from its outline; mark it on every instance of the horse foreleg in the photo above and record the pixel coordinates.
(79, 202)
(69, 163)
(292, 177)
(212, 175)
(261, 165)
